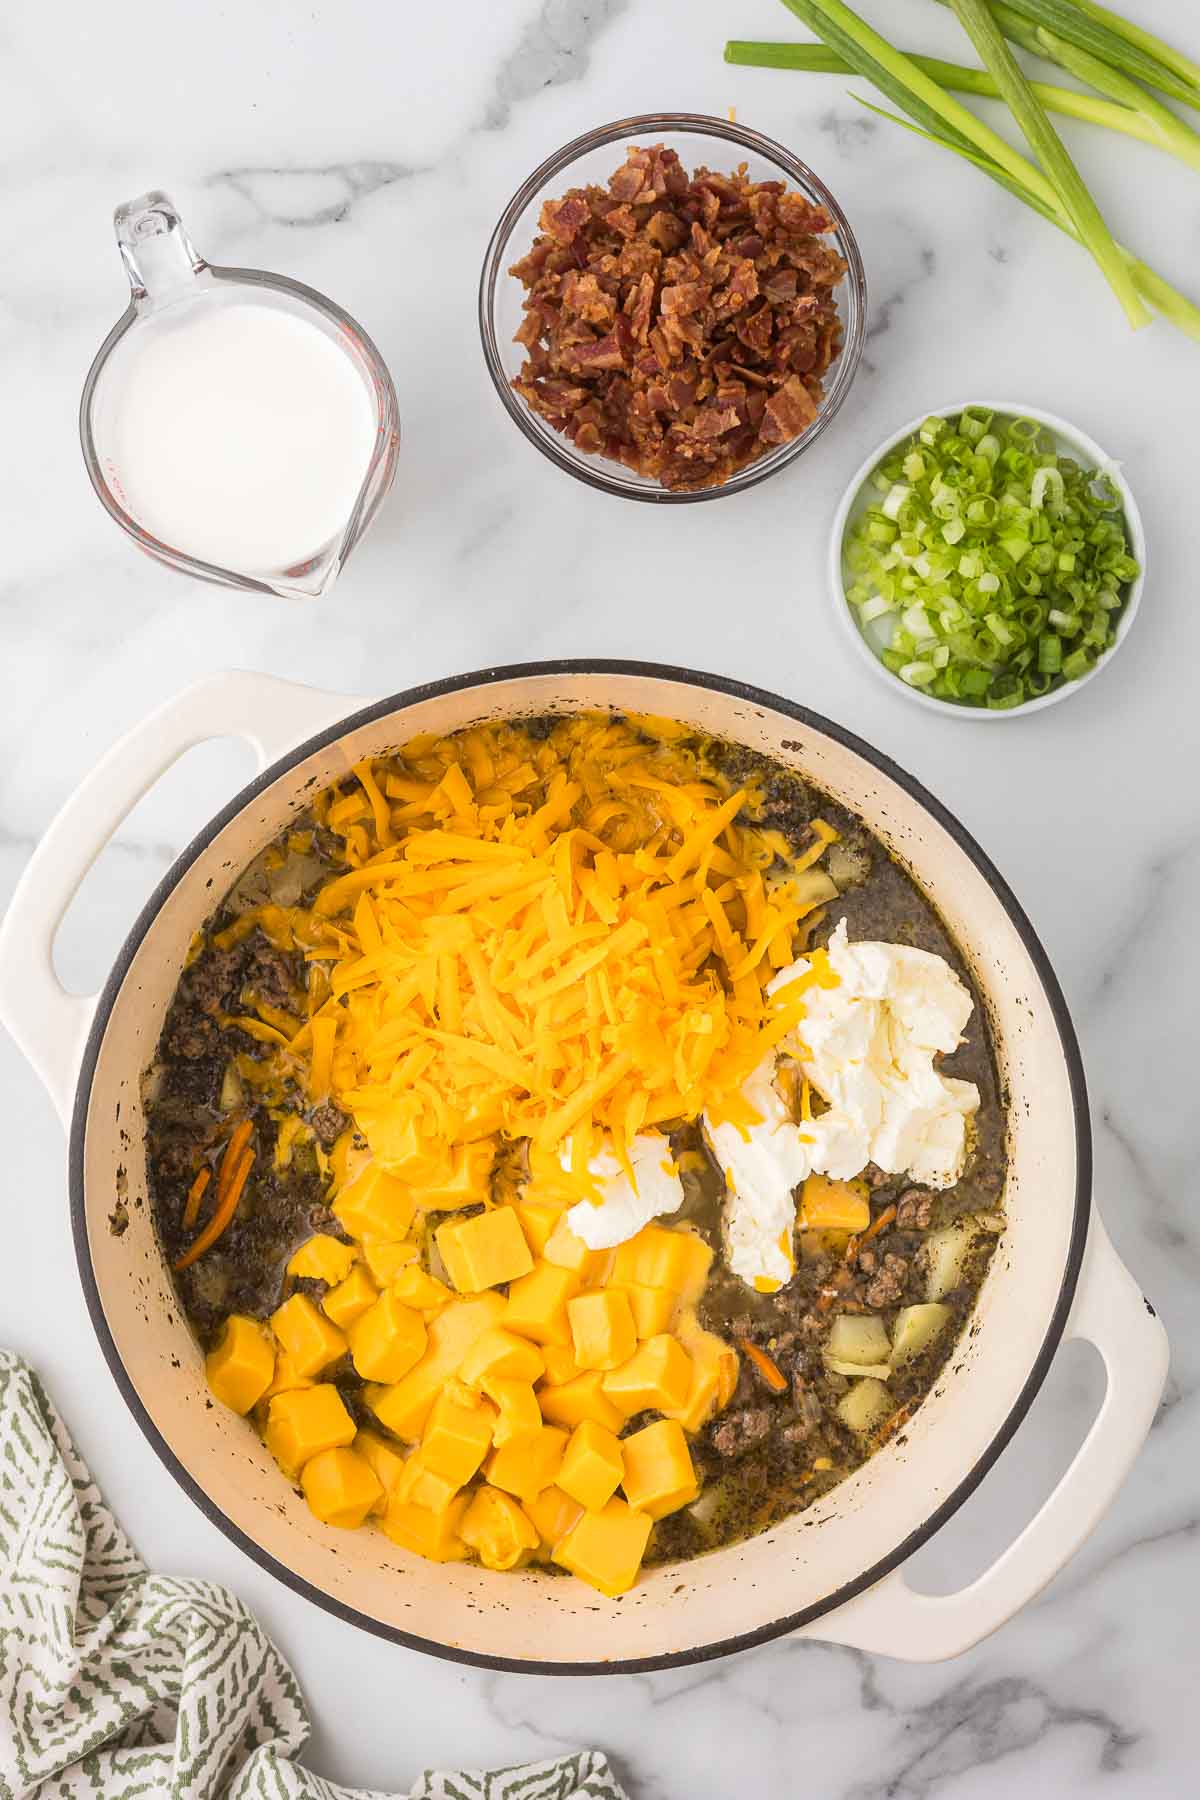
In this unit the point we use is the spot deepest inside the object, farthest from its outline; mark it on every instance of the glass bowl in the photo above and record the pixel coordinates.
(698, 139)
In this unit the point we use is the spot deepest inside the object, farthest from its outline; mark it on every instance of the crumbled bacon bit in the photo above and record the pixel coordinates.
(681, 326)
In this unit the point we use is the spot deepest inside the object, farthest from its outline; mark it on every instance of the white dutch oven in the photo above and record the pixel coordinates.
(833, 1572)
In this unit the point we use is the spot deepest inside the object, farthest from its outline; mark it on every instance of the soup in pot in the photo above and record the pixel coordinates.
(575, 1140)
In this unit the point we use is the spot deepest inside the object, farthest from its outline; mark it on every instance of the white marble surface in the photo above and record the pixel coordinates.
(346, 145)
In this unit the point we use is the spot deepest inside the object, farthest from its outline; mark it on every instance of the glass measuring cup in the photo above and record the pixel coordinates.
(172, 289)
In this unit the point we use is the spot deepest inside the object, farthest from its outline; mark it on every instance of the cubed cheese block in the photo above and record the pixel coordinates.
(517, 1407)
(581, 1398)
(425, 1293)
(664, 1258)
(537, 1304)
(424, 1486)
(385, 1461)
(387, 1340)
(311, 1340)
(376, 1206)
(605, 1548)
(242, 1364)
(714, 1373)
(528, 1464)
(484, 1251)
(323, 1258)
(560, 1364)
(350, 1298)
(538, 1221)
(567, 1251)
(659, 1477)
(653, 1308)
(658, 1375)
(466, 1179)
(602, 1328)
(386, 1261)
(458, 1435)
(404, 1407)
(592, 1466)
(304, 1422)
(501, 1354)
(286, 1377)
(827, 1205)
(341, 1487)
(554, 1513)
(498, 1530)
(431, 1534)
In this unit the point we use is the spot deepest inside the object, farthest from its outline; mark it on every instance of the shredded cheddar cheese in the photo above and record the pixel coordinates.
(561, 940)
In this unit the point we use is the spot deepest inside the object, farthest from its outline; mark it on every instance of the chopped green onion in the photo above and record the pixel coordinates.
(1041, 560)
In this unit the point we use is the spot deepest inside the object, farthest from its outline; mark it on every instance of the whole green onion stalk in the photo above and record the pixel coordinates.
(935, 114)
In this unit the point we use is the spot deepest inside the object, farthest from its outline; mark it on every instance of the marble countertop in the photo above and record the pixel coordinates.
(350, 146)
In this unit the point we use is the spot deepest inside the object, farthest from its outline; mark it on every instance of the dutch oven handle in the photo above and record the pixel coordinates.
(49, 1024)
(1111, 1312)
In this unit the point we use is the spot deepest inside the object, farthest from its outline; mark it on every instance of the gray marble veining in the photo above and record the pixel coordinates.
(367, 149)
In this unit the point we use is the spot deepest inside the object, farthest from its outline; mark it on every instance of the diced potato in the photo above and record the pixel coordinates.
(387, 1340)
(554, 1513)
(385, 1462)
(812, 887)
(827, 1205)
(605, 1548)
(602, 1328)
(916, 1328)
(458, 1435)
(323, 1258)
(311, 1340)
(241, 1367)
(528, 1464)
(498, 1530)
(304, 1422)
(405, 1405)
(944, 1253)
(659, 1477)
(341, 1487)
(658, 1375)
(864, 1409)
(517, 1407)
(653, 1308)
(376, 1205)
(350, 1298)
(560, 1364)
(592, 1465)
(424, 1293)
(583, 1397)
(430, 1534)
(881, 1371)
(484, 1251)
(502, 1354)
(537, 1304)
(386, 1261)
(858, 1338)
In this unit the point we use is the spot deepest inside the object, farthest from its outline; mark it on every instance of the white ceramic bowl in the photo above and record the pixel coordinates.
(1071, 442)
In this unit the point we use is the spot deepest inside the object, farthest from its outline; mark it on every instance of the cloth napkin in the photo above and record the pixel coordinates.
(118, 1683)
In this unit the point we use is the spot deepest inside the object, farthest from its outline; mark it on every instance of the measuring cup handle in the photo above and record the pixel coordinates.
(160, 259)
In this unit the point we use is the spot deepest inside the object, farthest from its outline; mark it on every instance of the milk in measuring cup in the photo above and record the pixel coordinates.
(240, 435)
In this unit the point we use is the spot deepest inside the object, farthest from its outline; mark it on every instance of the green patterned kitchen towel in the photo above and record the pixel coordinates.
(116, 1683)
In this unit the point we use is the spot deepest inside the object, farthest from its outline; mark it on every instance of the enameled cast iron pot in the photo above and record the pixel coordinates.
(835, 1571)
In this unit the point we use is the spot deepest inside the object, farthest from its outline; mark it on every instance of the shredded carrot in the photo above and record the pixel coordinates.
(770, 1371)
(873, 1229)
(239, 1138)
(227, 1204)
(191, 1207)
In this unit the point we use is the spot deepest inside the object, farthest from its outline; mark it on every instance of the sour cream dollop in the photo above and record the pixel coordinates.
(868, 1045)
(624, 1207)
